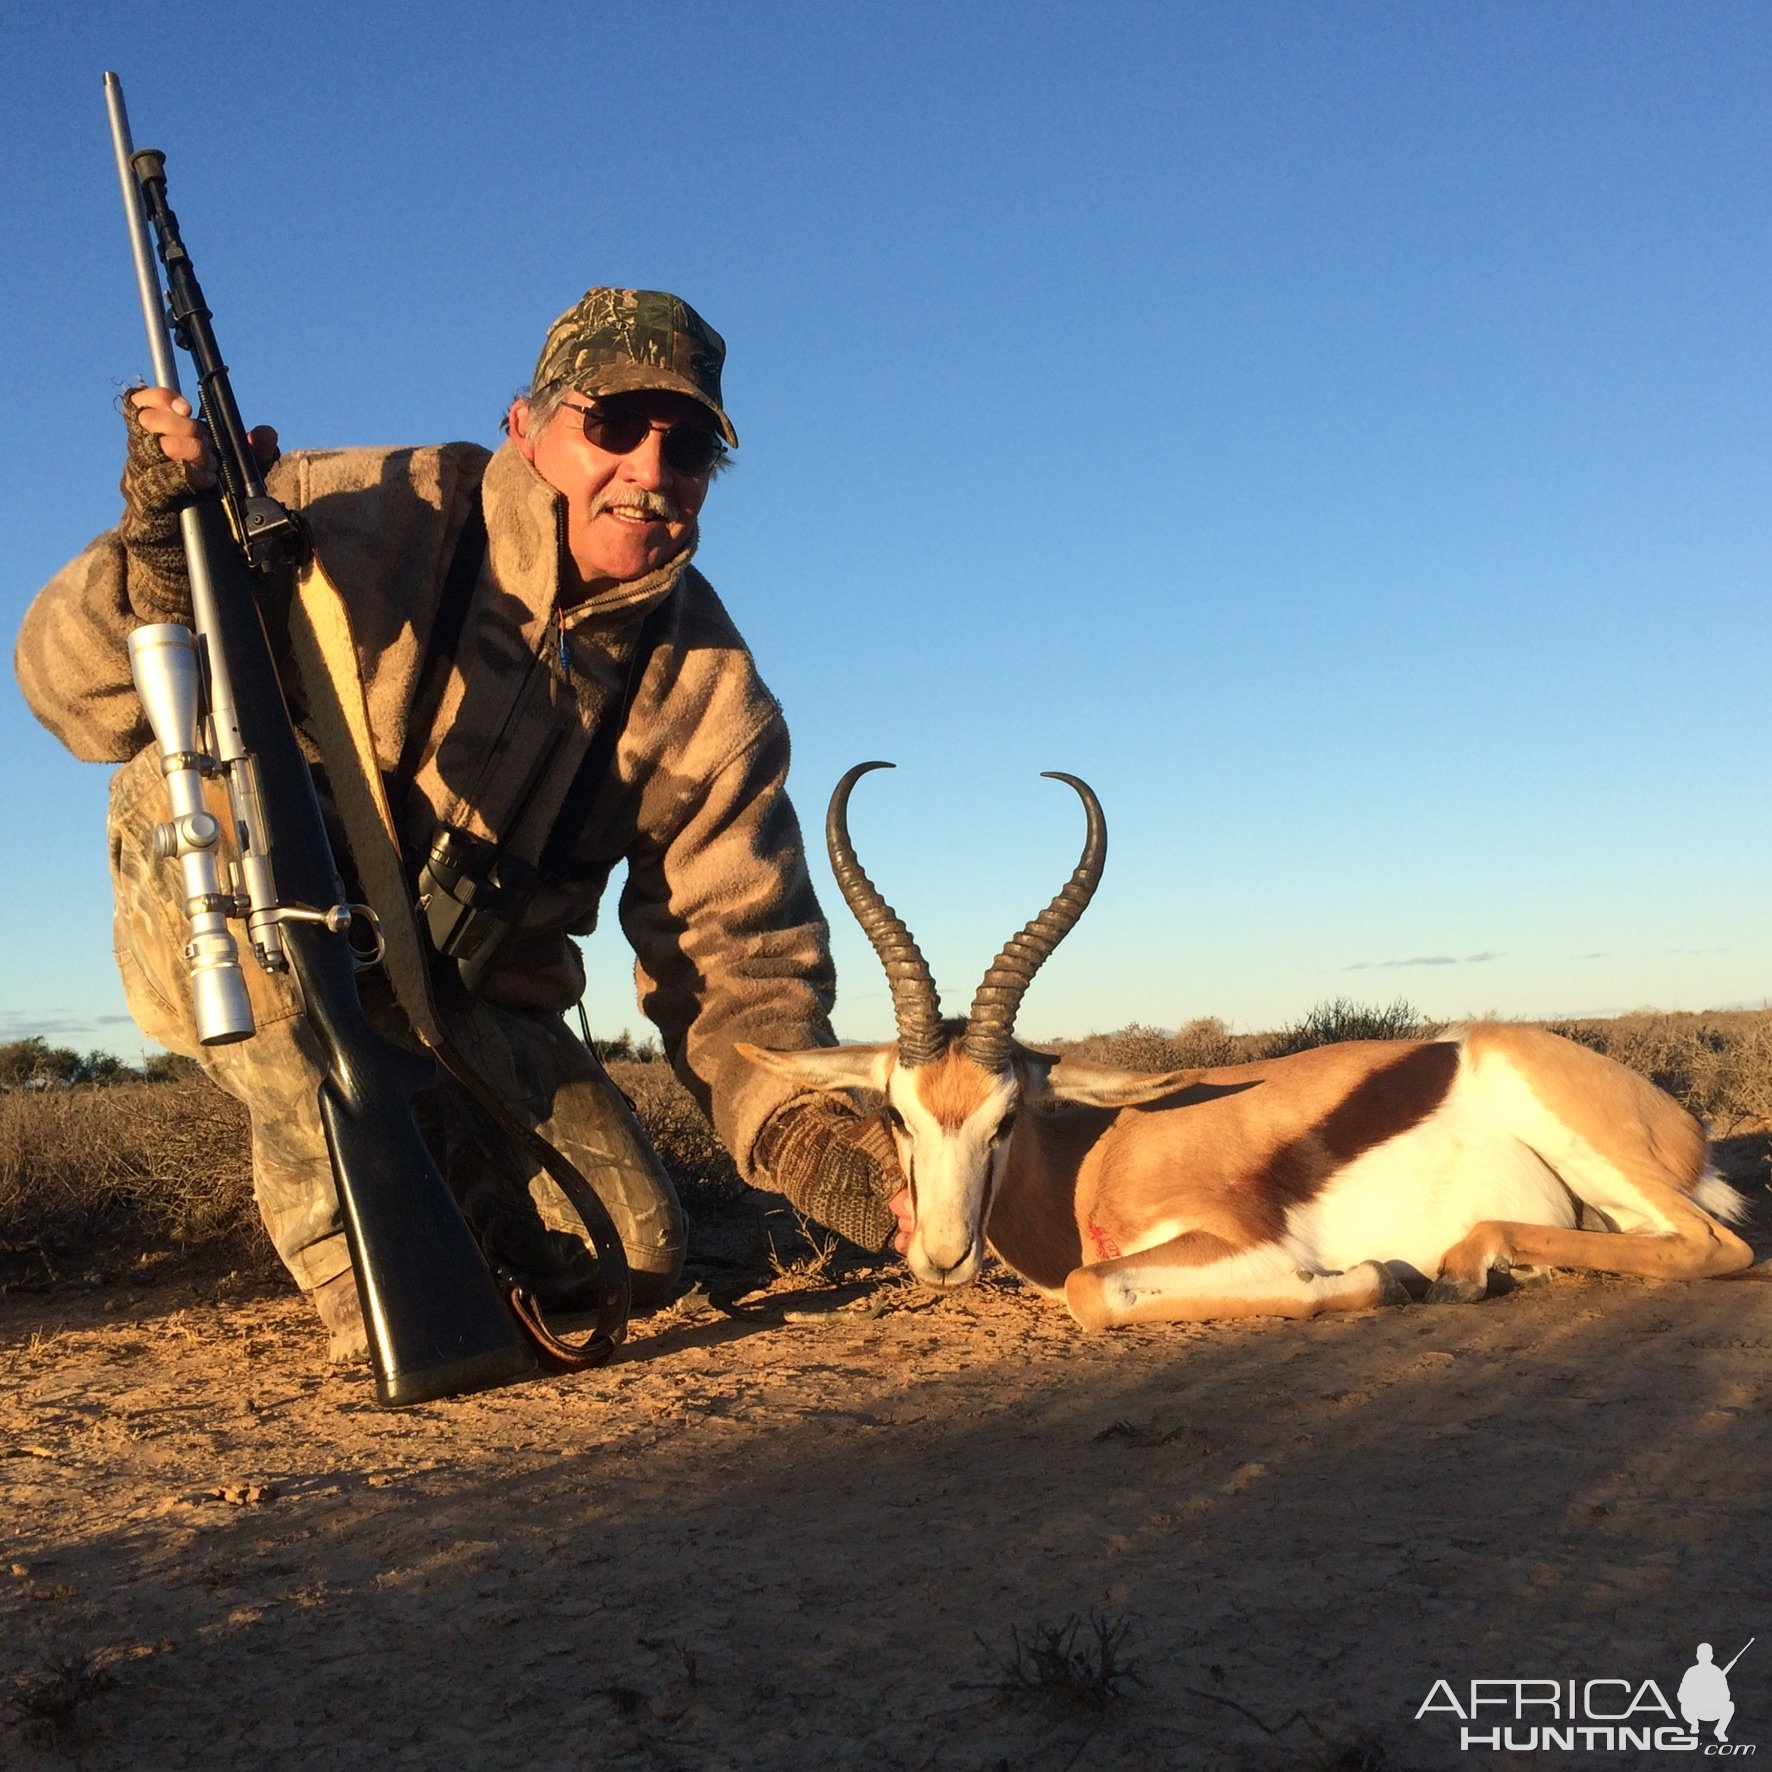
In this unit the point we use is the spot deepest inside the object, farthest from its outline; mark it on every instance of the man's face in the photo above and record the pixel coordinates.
(625, 514)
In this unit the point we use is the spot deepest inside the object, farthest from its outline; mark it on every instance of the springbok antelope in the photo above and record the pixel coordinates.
(1334, 1179)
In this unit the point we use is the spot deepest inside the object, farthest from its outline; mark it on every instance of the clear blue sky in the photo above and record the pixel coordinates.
(1341, 433)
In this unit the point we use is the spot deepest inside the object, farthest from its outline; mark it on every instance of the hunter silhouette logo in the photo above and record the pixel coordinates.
(1704, 1692)
(1609, 1714)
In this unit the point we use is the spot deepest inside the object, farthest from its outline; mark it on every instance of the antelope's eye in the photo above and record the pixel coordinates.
(1005, 1126)
(894, 1118)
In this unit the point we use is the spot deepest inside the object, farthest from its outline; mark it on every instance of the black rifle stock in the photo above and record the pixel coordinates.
(437, 1322)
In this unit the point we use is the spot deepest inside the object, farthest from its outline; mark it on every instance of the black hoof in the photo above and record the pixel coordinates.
(1450, 1290)
(1391, 1290)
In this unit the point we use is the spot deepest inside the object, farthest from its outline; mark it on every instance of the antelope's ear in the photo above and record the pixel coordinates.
(825, 1067)
(1107, 1086)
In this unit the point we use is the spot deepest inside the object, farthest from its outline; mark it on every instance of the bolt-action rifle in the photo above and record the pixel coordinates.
(440, 1322)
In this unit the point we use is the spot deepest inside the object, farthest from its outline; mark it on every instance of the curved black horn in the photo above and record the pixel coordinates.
(999, 997)
(914, 1001)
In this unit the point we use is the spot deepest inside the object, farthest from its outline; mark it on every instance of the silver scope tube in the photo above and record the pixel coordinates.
(163, 661)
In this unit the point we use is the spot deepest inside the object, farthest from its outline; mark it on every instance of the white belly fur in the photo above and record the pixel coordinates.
(1412, 1197)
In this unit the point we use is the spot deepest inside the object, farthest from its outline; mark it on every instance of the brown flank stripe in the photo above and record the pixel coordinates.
(1387, 1102)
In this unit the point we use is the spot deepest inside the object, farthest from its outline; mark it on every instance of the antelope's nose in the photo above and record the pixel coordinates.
(947, 1274)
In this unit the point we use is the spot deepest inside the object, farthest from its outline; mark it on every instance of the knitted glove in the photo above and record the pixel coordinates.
(154, 491)
(836, 1166)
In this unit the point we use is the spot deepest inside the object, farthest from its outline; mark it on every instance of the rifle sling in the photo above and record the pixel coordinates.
(325, 655)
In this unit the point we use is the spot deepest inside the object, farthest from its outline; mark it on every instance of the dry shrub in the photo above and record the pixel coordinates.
(1718, 1064)
(1194, 1046)
(1206, 1041)
(1330, 1023)
(1749, 1093)
(1075, 1663)
(1134, 1047)
(169, 1161)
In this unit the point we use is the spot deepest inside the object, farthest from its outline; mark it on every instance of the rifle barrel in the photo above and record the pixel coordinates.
(141, 249)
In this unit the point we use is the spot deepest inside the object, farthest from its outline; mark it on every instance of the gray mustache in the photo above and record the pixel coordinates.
(640, 498)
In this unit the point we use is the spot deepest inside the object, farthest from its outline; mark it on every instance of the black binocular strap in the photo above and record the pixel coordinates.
(593, 770)
(446, 627)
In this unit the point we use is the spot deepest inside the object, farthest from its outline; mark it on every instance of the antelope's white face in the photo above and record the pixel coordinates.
(953, 1122)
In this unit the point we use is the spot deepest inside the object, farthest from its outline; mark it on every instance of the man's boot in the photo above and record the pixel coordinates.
(341, 1311)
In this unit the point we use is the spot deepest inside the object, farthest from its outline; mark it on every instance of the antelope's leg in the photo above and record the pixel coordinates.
(1694, 1246)
(1197, 1276)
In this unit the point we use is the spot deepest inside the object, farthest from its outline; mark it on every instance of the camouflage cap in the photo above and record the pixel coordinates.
(615, 341)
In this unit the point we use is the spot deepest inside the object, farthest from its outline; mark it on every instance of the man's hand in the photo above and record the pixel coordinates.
(161, 414)
(839, 1167)
(166, 435)
(900, 1208)
(169, 463)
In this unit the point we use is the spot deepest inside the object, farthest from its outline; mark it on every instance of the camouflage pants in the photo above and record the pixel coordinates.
(543, 1074)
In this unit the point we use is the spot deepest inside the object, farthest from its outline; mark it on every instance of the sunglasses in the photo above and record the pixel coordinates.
(689, 449)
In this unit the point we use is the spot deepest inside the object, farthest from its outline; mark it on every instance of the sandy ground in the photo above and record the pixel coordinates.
(852, 1527)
